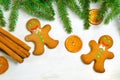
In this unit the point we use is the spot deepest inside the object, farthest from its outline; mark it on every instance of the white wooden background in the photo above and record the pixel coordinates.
(58, 63)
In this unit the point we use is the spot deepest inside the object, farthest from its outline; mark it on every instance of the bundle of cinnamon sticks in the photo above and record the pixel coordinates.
(13, 46)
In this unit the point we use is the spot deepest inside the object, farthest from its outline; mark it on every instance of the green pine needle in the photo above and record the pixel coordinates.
(103, 10)
(74, 7)
(112, 15)
(49, 3)
(6, 4)
(61, 7)
(2, 21)
(85, 4)
(37, 11)
(97, 0)
(14, 16)
(44, 9)
(45, 6)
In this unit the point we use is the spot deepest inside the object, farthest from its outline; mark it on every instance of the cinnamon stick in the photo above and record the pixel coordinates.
(11, 46)
(16, 46)
(15, 39)
(10, 53)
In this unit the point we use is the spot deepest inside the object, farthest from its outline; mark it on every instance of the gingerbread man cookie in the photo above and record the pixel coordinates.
(99, 53)
(40, 36)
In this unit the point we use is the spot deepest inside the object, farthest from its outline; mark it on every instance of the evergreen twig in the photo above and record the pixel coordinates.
(6, 4)
(74, 7)
(114, 12)
(2, 21)
(61, 7)
(85, 4)
(36, 10)
(14, 15)
(44, 9)
(102, 11)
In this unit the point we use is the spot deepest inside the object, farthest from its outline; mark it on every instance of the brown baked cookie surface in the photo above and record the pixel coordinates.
(40, 36)
(93, 17)
(3, 64)
(73, 43)
(99, 53)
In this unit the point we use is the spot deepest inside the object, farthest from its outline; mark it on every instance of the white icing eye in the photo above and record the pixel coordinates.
(34, 22)
(104, 38)
(109, 41)
(30, 25)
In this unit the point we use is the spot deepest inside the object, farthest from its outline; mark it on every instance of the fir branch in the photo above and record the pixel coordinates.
(62, 10)
(102, 11)
(34, 10)
(43, 6)
(114, 12)
(13, 16)
(74, 7)
(85, 4)
(1, 2)
(49, 3)
(97, 0)
(2, 21)
(6, 4)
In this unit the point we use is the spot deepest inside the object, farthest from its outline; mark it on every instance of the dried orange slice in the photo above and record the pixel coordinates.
(3, 64)
(73, 43)
(93, 17)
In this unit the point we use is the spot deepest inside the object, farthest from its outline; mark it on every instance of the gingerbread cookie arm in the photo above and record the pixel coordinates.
(46, 28)
(50, 42)
(93, 44)
(110, 55)
(89, 57)
(30, 37)
(11, 53)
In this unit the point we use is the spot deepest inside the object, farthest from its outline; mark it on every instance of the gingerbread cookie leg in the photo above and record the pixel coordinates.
(39, 48)
(87, 58)
(11, 53)
(99, 66)
(50, 42)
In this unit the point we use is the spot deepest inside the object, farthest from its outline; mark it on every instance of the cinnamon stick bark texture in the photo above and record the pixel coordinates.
(24, 53)
(13, 46)
(15, 39)
(11, 53)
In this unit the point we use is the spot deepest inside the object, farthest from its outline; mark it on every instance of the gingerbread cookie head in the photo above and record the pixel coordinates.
(106, 41)
(33, 24)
